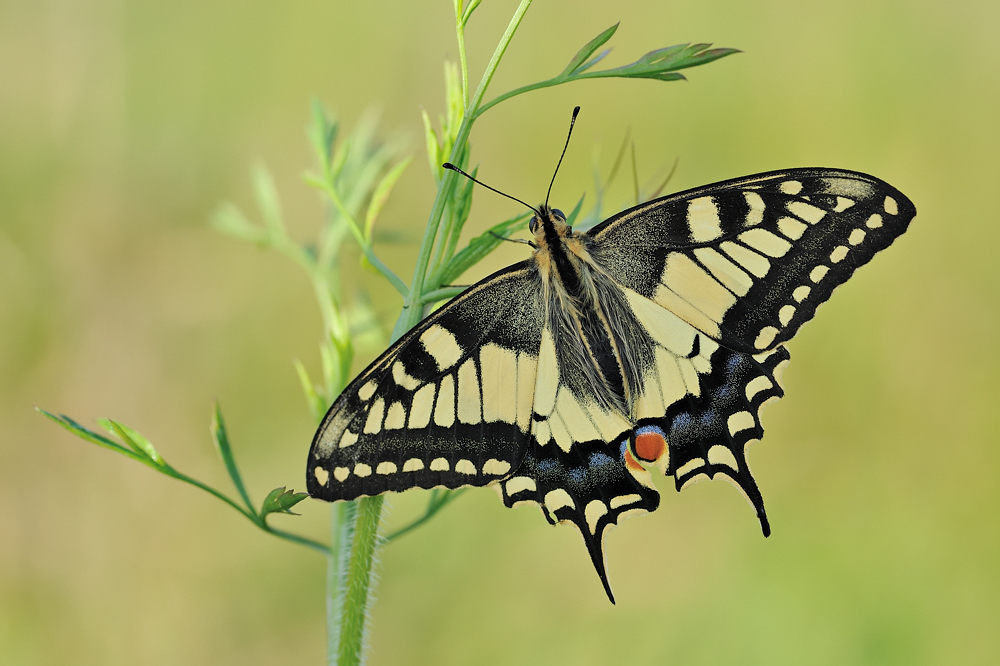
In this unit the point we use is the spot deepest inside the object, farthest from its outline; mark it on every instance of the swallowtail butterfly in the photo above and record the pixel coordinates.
(652, 340)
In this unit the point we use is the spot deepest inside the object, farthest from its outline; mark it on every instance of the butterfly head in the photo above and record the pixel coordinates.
(555, 217)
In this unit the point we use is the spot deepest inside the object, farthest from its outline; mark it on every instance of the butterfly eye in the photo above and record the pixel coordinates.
(558, 213)
(533, 223)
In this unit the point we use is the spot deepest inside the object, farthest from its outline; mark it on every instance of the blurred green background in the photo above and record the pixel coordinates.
(123, 124)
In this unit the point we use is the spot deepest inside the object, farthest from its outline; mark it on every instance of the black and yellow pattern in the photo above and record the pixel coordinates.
(653, 340)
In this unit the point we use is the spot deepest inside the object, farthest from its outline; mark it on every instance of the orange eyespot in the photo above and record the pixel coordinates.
(649, 446)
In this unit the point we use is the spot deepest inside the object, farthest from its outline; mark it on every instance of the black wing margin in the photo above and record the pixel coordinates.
(425, 413)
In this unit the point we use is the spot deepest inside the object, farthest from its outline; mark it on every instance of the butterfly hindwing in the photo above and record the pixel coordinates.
(448, 405)
(748, 261)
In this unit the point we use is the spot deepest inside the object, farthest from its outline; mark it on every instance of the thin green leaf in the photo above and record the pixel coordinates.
(662, 64)
(316, 402)
(322, 134)
(480, 246)
(708, 56)
(229, 220)
(571, 218)
(381, 195)
(588, 50)
(467, 14)
(433, 147)
(136, 441)
(267, 200)
(280, 500)
(221, 439)
(593, 61)
(85, 433)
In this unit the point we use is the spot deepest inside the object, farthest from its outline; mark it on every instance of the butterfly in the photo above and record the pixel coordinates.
(653, 340)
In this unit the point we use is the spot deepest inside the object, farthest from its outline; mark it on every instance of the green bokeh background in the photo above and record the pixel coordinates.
(124, 123)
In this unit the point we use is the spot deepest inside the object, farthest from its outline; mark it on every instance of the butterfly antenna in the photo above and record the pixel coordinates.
(572, 122)
(449, 165)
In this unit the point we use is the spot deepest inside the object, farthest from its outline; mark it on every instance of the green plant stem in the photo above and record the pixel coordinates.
(412, 310)
(358, 581)
(356, 575)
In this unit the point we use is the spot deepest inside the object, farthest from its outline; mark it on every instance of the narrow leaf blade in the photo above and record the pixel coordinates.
(588, 50)
(137, 442)
(221, 439)
(480, 246)
(85, 433)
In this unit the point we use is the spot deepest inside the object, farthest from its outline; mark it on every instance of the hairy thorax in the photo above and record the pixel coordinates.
(587, 316)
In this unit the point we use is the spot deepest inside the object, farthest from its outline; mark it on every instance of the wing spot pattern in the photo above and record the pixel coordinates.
(843, 203)
(874, 222)
(444, 410)
(527, 366)
(807, 212)
(703, 220)
(838, 254)
(818, 273)
(348, 439)
(341, 473)
(624, 500)
(395, 419)
(595, 509)
(547, 376)
(721, 455)
(890, 206)
(464, 466)
(765, 242)
(496, 467)
(740, 421)
(560, 433)
(801, 292)
(321, 475)
(689, 466)
(765, 337)
(748, 259)
(402, 378)
(690, 281)
(422, 406)
(791, 227)
(367, 391)
(756, 214)
(557, 499)
(729, 274)
(469, 401)
(374, 422)
(519, 484)
(386, 468)
(756, 385)
(665, 327)
(362, 470)
(442, 345)
(856, 237)
(440, 465)
(413, 465)
(790, 187)
(785, 314)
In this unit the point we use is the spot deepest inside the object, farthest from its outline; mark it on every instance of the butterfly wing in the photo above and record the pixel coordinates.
(448, 405)
(747, 261)
(731, 271)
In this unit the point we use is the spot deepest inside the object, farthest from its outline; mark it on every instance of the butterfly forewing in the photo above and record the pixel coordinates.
(748, 261)
(448, 405)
